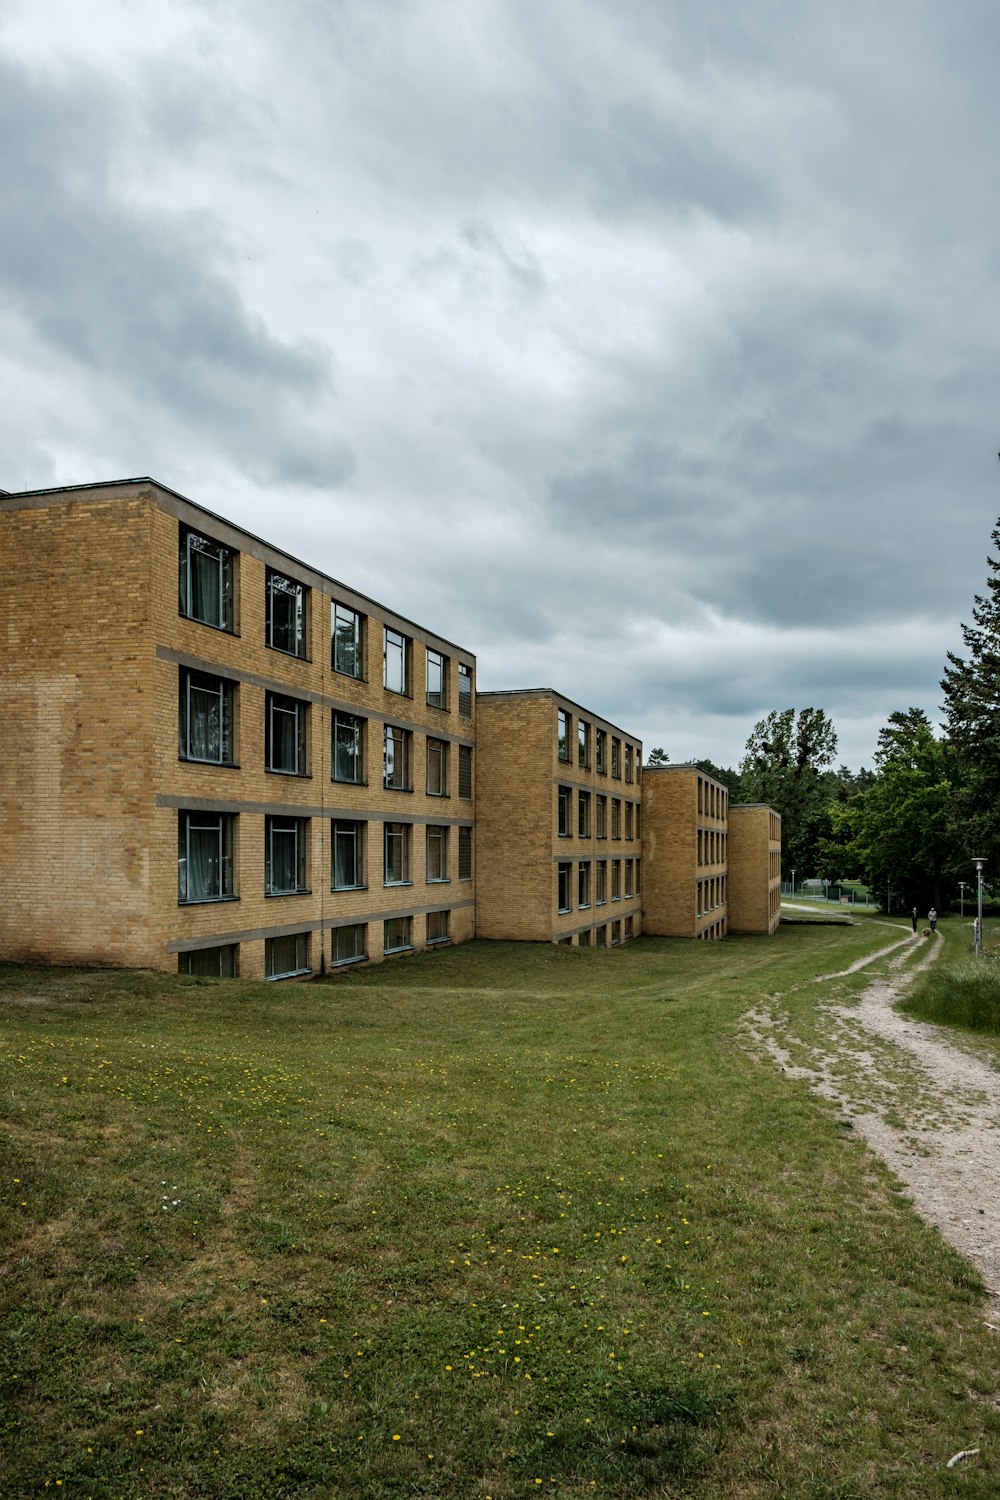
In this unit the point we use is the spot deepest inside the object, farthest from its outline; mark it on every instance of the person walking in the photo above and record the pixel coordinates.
(932, 919)
(914, 916)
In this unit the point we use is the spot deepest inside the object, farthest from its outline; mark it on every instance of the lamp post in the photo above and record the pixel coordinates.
(961, 897)
(793, 882)
(979, 861)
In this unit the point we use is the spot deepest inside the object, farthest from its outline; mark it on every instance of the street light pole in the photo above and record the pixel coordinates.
(961, 898)
(793, 882)
(979, 861)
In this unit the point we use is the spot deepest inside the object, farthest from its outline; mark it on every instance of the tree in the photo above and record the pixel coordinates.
(783, 765)
(899, 830)
(971, 685)
(658, 757)
(728, 777)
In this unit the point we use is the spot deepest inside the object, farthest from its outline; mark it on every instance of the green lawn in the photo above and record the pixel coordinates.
(497, 1221)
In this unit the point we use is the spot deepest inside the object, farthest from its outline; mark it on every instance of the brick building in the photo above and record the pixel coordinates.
(558, 822)
(215, 757)
(754, 868)
(218, 759)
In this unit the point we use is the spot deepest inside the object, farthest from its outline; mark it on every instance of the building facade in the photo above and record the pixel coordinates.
(686, 830)
(559, 822)
(215, 757)
(219, 759)
(754, 868)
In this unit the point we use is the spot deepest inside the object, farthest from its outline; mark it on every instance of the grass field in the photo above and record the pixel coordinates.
(498, 1221)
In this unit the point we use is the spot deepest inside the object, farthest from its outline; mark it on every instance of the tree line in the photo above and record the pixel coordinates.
(910, 826)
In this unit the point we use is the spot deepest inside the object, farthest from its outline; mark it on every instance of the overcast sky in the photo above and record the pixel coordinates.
(648, 348)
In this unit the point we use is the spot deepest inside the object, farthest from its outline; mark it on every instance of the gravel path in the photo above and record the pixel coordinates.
(926, 1106)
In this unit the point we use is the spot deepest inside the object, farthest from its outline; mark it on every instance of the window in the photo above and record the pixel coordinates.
(465, 690)
(583, 886)
(585, 939)
(348, 943)
(563, 874)
(437, 853)
(396, 661)
(348, 748)
(628, 880)
(285, 956)
(397, 854)
(396, 934)
(583, 743)
(207, 716)
(629, 929)
(602, 751)
(616, 758)
(207, 580)
(286, 614)
(602, 881)
(616, 880)
(205, 856)
(628, 819)
(437, 679)
(616, 818)
(583, 814)
(628, 762)
(210, 963)
(285, 848)
(347, 841)
(285, 721)
(638, 820)
(437, 926)
(397, 758)
(602, 817)
(616, 934)
(638, 877)
(465, 771)
(562, 734)
(601, 933)
(348, 642)
(437, 768)
(465, 854)
(565, 812)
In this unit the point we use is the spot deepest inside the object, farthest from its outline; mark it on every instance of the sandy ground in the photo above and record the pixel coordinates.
(926, 1105)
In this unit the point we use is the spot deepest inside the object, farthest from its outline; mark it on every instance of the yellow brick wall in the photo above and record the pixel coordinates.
(754, 868)
(98, 882)
(519, 776)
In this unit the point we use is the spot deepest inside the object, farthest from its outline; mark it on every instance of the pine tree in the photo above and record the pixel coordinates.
(971, 686)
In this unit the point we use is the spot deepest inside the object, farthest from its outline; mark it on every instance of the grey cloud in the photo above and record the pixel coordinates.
(137, 299)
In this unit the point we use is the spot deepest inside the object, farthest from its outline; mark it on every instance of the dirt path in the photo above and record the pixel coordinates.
(928, 1108)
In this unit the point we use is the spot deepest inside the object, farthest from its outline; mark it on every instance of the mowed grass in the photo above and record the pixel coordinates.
(497, 1221)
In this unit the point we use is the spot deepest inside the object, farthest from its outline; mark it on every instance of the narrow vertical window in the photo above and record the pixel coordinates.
(563, 876)
(465, 771)
(465, 690)
(437, 768)
(285, 849)
(285, 722)
(205, 856)
(437, 926)
(396, 661)
(583, 815)
(286, 614)
(206, 717)
(397, 758)
(207, 580)
(616, 758)
(565, 812)
(437, 853)
(583, 886)
(437, 679)
(347, 640)
(583, 744)
(562, 734)
(602, 752)
(348, 854)
(465, 854)
(397, 854)
(348, 748)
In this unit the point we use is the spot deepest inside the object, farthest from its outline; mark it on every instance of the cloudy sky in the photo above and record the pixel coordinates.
(650, 349)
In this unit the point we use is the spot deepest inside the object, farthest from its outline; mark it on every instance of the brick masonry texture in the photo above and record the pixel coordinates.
(96, 783)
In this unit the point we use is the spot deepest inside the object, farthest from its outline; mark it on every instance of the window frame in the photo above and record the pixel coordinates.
(226, 855)
(583, 885)
(358, 836)
(583, 744)
(397, 758)
(582, 814)
(228, 962)
(406, 926)
(226, 695)
(226, 583)
(271, 704)
(300, 648)
(564, 812)
(601, 884)
(466, 782)
(466, 855)
(437, 840)
(563, 728)
(443, 937)
(337, 962)
(616, 758)
(357, 725)
(465, 690)
(338, 609)
(301, 959)
(437, 756)
(401, 649)
(564, 876)
(602, 816)
(438, 698)
(396, 836)
(300, 828)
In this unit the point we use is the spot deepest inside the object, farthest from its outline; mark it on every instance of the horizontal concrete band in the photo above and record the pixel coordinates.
(324, 700)
(308, 810)
(325, 924)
